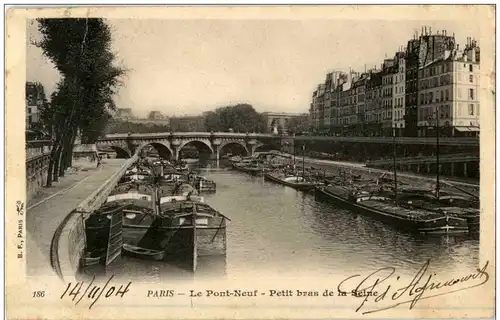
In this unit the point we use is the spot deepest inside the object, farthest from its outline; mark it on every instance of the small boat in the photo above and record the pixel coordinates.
(383, 208)
(94, 257)
(294, 181)
(252, 168)
(201, 184)
(142, 253)
(191, 160)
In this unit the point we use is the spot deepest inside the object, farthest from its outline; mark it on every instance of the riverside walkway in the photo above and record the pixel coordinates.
(45, 213)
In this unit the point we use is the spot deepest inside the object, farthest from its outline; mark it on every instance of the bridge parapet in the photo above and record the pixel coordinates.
(36, 148)
(456, 141)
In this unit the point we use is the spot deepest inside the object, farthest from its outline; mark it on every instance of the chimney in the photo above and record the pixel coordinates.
(430, 31)
(422, 31)
(438, 32)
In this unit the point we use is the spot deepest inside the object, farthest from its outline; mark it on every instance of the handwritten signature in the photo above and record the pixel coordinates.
(94, 291)
(376, 287)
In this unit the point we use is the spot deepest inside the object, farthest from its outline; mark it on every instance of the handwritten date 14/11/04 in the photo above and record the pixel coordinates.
(78, 291)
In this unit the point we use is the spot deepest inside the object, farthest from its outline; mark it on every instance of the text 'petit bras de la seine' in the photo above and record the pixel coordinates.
(254, 293)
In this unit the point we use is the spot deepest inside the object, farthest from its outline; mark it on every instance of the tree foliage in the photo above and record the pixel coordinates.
(298, 124)
(81, 51)
(239, 118)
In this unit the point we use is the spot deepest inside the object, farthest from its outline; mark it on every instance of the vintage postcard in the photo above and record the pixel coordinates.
(244, 162)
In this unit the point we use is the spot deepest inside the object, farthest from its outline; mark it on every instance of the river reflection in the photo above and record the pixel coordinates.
(278, 230)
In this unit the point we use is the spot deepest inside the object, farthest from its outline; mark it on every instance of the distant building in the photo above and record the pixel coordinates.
(280, 120)
(124, 114)
(156, 115)
(35, 97)
(187, 124)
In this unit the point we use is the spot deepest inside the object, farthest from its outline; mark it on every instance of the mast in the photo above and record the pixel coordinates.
(394, 164)
(303, 162)
(195, 242)
(437, 153)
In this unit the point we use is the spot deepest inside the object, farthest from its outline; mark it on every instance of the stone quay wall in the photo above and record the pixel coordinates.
(69, 240)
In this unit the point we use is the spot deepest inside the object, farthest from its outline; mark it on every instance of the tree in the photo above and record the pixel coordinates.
(81, 51)
(239, 118)
(298, 124)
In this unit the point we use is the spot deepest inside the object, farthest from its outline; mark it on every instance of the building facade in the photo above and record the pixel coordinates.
(399, 89)
(448, 96)
(35, 98)
(281, 121)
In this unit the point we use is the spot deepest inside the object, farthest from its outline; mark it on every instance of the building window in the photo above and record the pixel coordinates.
(30, 120)
(447, 95)
(471, 94)
(470, 67)
(459, 92)
(471, 78)
(471, 109)
(29, 110)
(442, 96)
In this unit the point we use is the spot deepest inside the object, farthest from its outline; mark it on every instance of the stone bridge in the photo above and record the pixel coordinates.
(170, 144)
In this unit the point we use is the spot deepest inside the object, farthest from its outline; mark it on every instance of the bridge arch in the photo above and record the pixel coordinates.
(203, 147)
(121, 153)
(238, 144)
(163, 150)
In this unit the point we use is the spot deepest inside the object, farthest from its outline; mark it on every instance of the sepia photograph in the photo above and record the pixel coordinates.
(235, 162)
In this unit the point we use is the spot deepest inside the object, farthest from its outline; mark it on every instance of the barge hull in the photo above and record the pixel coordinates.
(441, 225)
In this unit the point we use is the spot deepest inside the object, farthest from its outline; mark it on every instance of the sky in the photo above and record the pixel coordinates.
(181, 67)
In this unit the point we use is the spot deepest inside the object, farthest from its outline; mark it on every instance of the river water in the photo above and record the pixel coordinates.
(278, 230)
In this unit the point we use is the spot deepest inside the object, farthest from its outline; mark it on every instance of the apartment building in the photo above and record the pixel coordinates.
(397, 99)
(399, 93)
(389, 70)
(373, 103)
(448, 93)
(421, 50)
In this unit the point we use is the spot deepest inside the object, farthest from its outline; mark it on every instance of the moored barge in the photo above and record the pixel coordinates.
(386, 210)
(294, 181)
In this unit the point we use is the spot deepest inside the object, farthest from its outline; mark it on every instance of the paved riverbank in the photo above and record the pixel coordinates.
(48, 210)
